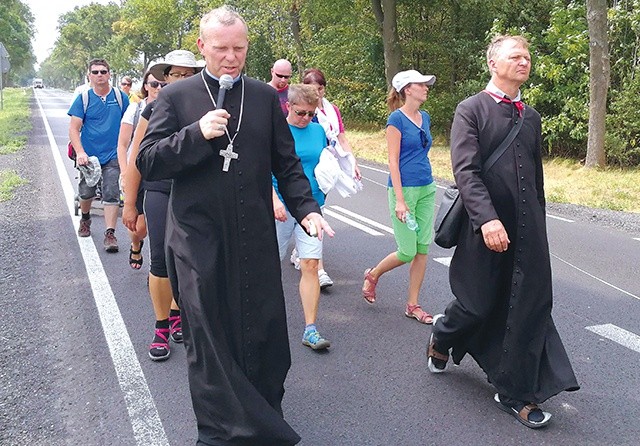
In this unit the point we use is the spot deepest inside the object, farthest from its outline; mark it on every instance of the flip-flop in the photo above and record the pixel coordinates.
(522, 415)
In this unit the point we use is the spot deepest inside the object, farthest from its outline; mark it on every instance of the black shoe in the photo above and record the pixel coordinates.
(528, 414)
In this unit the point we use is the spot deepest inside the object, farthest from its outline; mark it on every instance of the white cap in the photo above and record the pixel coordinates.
(404, 78)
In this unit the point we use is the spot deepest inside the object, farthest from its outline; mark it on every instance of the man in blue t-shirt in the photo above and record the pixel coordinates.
(310, 140)
(93, 131)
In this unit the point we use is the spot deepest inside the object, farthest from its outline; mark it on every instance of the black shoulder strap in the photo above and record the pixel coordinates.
(488, 164)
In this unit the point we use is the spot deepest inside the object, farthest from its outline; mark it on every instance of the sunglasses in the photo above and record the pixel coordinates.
(283, 76)
(423, 138)
(302, 113)
(125, 84)
(99, 71)
(156, 84)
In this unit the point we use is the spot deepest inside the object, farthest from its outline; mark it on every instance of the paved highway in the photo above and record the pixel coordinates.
(76, 324)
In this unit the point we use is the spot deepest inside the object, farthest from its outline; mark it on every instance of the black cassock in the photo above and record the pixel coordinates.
(222, 253)
(508, 295)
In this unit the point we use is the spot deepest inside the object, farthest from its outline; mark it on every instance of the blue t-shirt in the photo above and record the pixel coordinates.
(101, 126)
(415, 168)
(309, 143)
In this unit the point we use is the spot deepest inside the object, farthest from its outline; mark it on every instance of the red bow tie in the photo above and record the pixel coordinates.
(518, 104)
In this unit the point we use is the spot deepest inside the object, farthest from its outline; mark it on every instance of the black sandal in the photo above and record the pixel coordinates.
(136, 263)
(521, 413)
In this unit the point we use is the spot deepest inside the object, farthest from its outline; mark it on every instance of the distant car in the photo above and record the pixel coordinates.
(37, 83)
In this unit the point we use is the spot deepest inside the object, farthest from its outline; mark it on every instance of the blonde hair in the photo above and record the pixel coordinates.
(303, 94)
(396, 99)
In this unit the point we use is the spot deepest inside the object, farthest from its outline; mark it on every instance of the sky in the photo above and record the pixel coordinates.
(46, 13)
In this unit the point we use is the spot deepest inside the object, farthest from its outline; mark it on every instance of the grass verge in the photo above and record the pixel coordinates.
(566, 181)
(15, 122)
(9, 180)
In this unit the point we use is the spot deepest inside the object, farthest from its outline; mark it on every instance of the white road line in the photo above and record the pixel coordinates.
(350, 222)
(375, 169)
(618, 335)
(373, 223)
(446, 261)
(636, 238)
(560, 218)
(375, 182)
(145, 420)
(596, 278)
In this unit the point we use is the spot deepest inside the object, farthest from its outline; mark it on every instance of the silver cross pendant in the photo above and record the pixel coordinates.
(228, 155)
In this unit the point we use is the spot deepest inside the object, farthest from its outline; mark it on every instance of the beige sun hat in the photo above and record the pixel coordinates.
(178, 58)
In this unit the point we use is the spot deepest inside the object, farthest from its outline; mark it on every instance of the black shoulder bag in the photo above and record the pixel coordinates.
(448, 220)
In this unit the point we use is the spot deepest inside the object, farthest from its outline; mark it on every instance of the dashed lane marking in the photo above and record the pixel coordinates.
(446, 261)
(353, 223)
(618, 335)
(145, 420)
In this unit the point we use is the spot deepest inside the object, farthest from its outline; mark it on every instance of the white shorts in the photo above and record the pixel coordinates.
(307, 247)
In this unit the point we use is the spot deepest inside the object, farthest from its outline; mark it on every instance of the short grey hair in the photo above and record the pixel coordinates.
(499, 40)
(224, 15)
(303, 94)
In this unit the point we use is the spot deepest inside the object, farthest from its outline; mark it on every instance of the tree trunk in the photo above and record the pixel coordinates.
(385, 12)
(295, 30)
(599, 73)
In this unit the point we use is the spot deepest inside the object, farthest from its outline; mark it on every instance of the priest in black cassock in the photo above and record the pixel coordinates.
(500, 273)
(221, 243)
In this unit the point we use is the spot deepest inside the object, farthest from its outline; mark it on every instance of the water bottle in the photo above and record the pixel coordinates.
(411, 222)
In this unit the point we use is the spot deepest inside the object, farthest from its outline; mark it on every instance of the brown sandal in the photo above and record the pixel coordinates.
(369, 294)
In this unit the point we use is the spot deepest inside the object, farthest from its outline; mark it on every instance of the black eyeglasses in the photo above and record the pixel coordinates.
(99, 71)
(423, 138)
(156, 84)
(178, 75)
(301, 113)
(283, 76)
(125, 84)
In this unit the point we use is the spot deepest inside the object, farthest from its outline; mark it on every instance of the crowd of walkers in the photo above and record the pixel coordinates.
(220, 174)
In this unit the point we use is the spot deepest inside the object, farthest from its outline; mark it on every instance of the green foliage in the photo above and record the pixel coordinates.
(16, 24)
(343, 39)
(559, 86)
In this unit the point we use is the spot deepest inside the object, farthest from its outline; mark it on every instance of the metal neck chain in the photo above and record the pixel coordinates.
(214, 106)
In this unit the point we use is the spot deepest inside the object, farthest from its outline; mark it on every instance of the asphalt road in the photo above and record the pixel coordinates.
(76, 324)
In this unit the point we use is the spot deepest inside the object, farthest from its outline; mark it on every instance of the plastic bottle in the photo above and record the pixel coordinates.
(411, 222)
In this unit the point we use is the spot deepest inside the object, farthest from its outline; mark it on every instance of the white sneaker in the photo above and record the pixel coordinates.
(295, 261)
(325, 280)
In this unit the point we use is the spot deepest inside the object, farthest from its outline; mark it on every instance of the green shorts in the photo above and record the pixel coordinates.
(421, 201)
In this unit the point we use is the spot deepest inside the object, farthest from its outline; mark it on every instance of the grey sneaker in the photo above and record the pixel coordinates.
(313, 339)
(325, 280)
(110, 241)
(84, 230)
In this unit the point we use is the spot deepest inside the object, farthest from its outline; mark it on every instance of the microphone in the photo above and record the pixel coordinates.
(226, 82)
